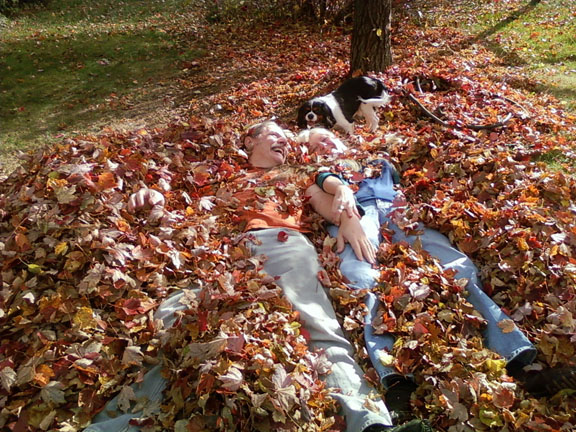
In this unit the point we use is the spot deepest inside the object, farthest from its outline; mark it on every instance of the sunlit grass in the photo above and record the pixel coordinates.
(539, 36)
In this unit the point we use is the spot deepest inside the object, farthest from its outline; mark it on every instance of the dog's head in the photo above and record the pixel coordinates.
(313, 112)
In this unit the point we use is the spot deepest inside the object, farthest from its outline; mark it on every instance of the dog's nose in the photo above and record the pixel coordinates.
(310, 116)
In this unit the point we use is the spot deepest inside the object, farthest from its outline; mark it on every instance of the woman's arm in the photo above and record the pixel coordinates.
(350, 231)
(343, 198)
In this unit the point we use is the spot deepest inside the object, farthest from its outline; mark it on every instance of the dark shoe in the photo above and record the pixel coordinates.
(548, 382)
(412, 426)
(397, 399)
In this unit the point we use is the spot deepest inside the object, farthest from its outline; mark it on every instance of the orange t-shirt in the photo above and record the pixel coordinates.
(273, 198)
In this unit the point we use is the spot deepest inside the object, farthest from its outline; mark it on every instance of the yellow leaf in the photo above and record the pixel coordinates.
(522, 245)
(490, 417)
(84, 318)
(379, 32)
(495, 366)
(43, 375)
(34, 268)
(61, 248)
(386, 359)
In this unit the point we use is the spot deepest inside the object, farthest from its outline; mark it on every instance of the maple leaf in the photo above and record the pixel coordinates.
(504, 396)
(202, 351)
(285, 392)
(206, 203)
(106, 180)
(507, 326)
(233, 378)
(419, 291)
(133, 356)
(7, 377)
(125, 397)
(66, 195)
(53, 393)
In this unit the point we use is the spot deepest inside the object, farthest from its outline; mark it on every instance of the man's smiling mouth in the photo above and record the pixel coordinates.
(279, 150)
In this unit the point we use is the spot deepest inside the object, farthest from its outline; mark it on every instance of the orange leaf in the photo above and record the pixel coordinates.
(22, 242)
(106, 180)
(43, 375)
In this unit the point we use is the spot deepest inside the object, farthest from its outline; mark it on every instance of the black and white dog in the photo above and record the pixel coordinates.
(360, 96)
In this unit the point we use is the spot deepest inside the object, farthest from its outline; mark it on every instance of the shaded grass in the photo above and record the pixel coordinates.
(76, 64)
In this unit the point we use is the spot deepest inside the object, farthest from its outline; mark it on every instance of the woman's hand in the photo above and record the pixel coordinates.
(344, 202)
(351, 232)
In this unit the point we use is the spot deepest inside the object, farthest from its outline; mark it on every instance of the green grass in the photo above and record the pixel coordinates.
(76, 64)
(539, 37)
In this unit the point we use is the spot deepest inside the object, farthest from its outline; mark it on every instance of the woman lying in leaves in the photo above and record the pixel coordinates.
(376, 182)
(271, 212)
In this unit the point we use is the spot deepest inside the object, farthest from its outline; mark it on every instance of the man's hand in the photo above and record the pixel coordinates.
(351, 232)
(145, 198)
(343, 202)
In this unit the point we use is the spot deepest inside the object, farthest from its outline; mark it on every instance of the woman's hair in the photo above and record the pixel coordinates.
(303, 136)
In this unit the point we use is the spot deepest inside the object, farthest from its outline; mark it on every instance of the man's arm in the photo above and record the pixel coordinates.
(350, 231)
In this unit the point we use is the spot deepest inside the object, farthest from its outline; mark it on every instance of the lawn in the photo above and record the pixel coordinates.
(538, 37)
(76, 66)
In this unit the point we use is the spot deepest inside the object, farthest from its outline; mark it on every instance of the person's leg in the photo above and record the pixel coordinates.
(514, 346)
(295, 261)
(361, 275)
(112, 418)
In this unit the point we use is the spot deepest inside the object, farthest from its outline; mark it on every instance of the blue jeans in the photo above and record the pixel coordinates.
(512, 346)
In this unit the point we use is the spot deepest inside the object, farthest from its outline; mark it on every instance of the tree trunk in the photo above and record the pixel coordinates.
(371, 49)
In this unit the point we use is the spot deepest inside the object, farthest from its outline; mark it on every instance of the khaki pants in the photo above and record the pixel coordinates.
(295, 261)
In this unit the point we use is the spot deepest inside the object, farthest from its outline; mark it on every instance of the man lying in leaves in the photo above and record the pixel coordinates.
(377, 181)
(271, 212)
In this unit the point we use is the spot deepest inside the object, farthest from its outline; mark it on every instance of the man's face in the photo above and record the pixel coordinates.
(270, 148)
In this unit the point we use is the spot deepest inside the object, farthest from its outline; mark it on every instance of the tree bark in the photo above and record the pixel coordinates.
(371, 48)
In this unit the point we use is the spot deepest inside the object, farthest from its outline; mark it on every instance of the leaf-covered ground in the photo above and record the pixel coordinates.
(81, 276)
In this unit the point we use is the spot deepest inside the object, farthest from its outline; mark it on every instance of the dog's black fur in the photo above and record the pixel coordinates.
(356, 96)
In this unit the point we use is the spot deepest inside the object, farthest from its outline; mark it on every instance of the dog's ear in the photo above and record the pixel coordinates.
(301, 119)
(329, 118)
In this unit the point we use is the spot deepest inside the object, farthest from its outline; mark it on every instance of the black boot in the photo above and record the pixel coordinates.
(547, 382)
(397, 399)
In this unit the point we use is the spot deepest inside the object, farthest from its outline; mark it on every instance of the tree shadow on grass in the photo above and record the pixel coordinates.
(508, 56)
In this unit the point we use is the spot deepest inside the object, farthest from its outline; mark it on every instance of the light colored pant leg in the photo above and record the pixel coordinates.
(362, 275)
(111, 418)
(296, 263)
(513, 345)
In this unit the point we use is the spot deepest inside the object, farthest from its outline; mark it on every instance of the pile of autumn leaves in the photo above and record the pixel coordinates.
(81, 276)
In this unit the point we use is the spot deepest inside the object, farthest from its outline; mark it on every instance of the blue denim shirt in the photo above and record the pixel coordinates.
(381, 187)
